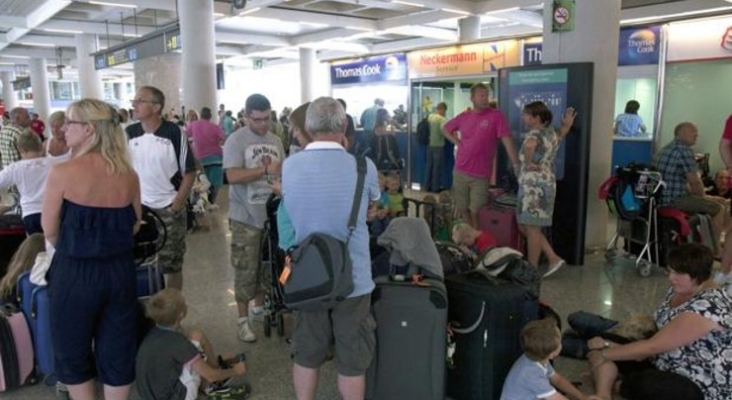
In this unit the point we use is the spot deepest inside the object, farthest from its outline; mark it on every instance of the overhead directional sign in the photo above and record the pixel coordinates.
(154, 44)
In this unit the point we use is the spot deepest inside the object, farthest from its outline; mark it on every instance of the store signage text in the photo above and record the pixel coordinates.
(391, 68)
(472, 59)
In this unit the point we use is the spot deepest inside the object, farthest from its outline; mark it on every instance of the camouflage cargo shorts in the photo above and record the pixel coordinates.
(170, 257)
(250, 276)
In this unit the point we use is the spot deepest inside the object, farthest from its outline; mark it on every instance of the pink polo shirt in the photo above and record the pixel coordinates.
(207, 138)
(728, 129)
(479, 135)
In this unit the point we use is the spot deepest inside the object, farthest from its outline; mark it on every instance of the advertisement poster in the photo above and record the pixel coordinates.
(548, 86)
(709, 39)
(391, 68)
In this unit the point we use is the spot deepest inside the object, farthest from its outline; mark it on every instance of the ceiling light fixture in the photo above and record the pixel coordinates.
(36, 44)
(62, 31)
(406, 3)
(457, 11)
(503, 10)
(104, 3)
(358, 28)
(249, 11)
(12, 56)
(669, 16)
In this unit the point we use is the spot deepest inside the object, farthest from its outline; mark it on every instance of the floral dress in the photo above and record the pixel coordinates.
(706, 361)
(538, 189)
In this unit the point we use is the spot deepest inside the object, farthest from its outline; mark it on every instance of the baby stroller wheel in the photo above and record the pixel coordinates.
(280, 324)
(644, 268)
(268, 325)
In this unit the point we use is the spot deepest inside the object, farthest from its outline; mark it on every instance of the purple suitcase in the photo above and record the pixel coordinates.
(16, 351)
(500, 222)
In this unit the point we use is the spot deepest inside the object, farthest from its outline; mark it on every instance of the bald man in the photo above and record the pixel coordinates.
(679, 170)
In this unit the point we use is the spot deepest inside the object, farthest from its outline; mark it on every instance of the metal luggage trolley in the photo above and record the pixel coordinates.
(646, 189)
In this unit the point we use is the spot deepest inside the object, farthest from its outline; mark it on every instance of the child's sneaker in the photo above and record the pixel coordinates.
(231, 393)
(246, 334)
(217, 386)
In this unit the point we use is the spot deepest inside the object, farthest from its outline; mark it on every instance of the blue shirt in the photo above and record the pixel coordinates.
(528, 380)
(317, 187)
(674, 161)
(629, 125)
(368, 118)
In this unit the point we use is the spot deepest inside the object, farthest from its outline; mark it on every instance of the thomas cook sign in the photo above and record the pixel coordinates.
(391, 68)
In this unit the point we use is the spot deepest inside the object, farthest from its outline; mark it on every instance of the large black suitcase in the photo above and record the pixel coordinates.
(411, 340)
(486, 317)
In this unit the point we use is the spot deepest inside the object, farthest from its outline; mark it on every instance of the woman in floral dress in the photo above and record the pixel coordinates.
(537, 184)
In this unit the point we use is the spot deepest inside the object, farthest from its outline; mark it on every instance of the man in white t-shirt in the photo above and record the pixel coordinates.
(165, 165)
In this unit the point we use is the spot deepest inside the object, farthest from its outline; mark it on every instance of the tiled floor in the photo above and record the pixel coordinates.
(613, 290)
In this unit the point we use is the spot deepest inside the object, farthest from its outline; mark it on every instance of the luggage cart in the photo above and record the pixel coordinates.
(632, 198)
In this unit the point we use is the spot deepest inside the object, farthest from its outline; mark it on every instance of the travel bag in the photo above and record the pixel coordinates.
(12, 234)
(500, 221)
(411, 330)
(16, 350)
(486, 316)
(41, 323)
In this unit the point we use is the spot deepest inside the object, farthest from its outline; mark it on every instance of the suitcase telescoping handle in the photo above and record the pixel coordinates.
(473, 326)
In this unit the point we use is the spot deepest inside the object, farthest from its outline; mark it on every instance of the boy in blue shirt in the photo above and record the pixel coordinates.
(532, 376)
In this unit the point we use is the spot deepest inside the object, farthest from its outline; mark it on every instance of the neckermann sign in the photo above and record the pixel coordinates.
(382, 69)
(707, 39)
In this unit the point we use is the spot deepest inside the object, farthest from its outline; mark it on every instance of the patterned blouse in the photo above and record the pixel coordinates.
(706, 361)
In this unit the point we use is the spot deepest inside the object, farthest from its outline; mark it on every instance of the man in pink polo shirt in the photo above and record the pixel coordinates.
(479, 131)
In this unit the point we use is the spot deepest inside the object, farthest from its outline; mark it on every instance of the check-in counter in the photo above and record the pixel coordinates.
(628, 150)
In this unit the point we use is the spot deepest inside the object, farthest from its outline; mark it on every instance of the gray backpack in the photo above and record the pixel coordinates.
(321, 272)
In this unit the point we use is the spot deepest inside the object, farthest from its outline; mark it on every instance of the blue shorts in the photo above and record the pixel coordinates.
(93, 302)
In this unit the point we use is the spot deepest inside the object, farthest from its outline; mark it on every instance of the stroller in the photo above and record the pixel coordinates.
(149, 240)
(632, 197)
(272, 257)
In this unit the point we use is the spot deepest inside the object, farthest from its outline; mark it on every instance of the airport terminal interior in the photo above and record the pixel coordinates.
(672, 57)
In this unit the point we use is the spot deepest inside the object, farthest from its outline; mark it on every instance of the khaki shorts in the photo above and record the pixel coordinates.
(697, 205)
(469, 193)
(250, 277)
(170, 257)
(350, 325)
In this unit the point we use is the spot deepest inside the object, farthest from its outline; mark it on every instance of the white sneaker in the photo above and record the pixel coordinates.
(246, 334)
(256, 313)
(554, 268)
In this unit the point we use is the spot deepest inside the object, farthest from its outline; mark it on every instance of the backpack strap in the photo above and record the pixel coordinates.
(361, 172)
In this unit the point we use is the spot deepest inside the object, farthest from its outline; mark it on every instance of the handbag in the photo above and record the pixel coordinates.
(319, 272)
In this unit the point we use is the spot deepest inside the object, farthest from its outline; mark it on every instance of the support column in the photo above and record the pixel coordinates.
(469, 28)
(90, 83)
(198, 58)
(307, 74)
(595, 22)
(39, 84)
(9, 95)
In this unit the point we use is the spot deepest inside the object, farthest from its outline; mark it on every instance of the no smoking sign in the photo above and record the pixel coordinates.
(563, 15)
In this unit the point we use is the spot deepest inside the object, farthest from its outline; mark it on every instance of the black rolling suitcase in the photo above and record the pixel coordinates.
(411, 340)
(486, 316)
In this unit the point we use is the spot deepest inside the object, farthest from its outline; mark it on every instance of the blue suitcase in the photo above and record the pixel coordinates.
(41, 321)
(24, 289)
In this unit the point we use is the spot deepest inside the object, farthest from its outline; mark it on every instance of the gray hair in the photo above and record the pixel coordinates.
(325, 115)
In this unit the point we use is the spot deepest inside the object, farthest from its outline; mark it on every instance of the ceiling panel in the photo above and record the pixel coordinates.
(19, 8)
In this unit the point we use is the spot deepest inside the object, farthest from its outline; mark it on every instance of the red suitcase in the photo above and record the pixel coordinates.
(500, 221)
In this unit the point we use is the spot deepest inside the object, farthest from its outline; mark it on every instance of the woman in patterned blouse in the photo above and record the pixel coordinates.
(690, 357)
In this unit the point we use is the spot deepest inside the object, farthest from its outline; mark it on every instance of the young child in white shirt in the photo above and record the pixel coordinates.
(29, 175)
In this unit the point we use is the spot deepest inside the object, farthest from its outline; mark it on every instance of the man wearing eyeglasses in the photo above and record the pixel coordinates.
(252, 161)
(165, 165)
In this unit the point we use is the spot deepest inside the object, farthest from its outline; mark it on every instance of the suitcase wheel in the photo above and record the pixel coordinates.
(644, 268)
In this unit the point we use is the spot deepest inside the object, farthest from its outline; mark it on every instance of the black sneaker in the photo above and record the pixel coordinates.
(231, 393)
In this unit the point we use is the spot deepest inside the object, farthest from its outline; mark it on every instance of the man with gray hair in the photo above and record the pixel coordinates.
(9, 153)
(317, 187)
(19, 121)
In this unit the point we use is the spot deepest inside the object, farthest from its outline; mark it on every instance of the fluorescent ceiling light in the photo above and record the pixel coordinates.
(6, 63)
(104, 3)
(131, 35)
(217, 14)
(319, 25)
(504, 10)
(36, 44)
(249, 11)
(682, 14)
(62, 31)
(358, 28)
(456, 11)
(406, 3)
(12, 56)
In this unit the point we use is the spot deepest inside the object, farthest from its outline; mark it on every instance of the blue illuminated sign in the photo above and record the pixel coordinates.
(391, 68)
